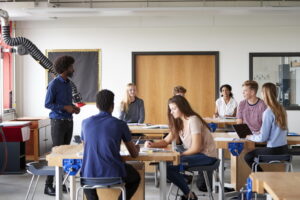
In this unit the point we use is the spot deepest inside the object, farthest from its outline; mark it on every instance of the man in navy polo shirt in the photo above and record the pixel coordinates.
(59, 101)
(102, 135)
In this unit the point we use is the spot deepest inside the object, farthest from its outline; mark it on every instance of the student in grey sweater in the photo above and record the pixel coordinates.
(132, 107)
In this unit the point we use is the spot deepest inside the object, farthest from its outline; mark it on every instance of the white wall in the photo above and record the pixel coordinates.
(234, 36)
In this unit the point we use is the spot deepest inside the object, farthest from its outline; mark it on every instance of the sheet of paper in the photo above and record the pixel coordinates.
(156, 126)
(232, 133)
(223, 139)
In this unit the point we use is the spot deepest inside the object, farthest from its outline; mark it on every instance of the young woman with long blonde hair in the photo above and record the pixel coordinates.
(274, 127)
(132, 107)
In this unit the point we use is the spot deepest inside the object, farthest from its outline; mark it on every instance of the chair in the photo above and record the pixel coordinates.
(202, 168)
(94, 183)
(271, 159)
(37, 169)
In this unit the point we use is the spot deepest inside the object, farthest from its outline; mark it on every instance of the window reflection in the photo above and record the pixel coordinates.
(283, 70)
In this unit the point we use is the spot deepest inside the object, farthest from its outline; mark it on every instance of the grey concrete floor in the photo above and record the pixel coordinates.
(14, 187)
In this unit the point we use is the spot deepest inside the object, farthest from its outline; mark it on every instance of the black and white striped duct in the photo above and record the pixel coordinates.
(33, 51)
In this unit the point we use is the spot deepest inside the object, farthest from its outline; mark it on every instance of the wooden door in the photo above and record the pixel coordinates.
(157, 75)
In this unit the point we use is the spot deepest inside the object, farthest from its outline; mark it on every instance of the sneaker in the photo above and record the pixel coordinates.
(183, 197)
(65, 189)
(49, 190)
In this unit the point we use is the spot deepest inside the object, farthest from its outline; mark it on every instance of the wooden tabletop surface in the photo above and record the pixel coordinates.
(280, 185)
(71, 152)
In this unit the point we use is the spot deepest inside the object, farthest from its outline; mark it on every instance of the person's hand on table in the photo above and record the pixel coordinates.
(148, 144)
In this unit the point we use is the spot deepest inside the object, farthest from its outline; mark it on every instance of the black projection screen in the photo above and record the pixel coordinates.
(87, 76)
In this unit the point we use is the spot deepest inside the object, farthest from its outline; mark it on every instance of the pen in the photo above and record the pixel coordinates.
(137, 142)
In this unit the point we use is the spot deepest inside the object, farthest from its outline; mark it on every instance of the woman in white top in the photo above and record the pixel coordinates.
(187, 126)
(226, 105)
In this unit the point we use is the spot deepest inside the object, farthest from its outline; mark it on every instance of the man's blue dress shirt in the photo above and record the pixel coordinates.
(59, 94)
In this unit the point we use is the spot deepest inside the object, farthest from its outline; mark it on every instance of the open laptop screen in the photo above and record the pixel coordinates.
(242, 130)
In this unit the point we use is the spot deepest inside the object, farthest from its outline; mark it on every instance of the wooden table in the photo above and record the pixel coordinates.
(239, 169)
(70, 152)
(140, 129)
(222, 140)
(148, 132)
(220, 121)
(280, 185)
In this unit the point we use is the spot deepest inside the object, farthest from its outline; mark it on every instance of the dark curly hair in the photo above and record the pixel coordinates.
(228, 87)
(61, 64)
(105, 100)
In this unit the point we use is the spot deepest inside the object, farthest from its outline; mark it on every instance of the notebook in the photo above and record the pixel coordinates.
(242, 130)
(162, 126)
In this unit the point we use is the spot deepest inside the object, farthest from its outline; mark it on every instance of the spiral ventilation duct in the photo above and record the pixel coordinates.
(33, 51)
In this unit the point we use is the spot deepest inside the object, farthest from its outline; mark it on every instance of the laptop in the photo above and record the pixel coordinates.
(242, 130)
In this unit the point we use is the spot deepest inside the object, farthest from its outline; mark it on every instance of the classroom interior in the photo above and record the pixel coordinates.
(227, 39)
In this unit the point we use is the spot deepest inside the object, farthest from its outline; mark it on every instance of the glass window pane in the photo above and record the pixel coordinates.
(284, 71)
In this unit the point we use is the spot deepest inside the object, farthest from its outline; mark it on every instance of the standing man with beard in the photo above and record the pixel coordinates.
(59, 101)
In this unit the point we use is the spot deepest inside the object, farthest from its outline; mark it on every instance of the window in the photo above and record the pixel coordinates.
(283, 69)
(7, 78)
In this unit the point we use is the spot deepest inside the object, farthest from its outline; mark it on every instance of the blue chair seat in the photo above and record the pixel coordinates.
(38, 169)
(211, 167)
(271, 159)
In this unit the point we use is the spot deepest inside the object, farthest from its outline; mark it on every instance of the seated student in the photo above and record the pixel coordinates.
(102, 135)
(250, 110)
(187, 125)
(273, 129)
(132, 107)
(179, 90)
(226, 105)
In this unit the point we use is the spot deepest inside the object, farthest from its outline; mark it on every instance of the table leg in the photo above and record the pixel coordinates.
(58, 183)
(163, 180)
(72, 188)
(221, 174)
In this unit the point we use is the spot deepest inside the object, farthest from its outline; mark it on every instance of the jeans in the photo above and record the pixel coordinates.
(61, 133)
(173, 171)
(132, 181)
(249, 157)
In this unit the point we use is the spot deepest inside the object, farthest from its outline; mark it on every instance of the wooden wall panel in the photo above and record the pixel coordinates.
(156, 76)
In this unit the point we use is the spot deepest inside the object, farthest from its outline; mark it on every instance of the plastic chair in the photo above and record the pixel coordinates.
(201, 168)
(94, 183)
(271, 159)
(37, 169)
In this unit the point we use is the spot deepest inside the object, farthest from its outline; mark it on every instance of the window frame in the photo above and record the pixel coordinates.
(272, 54)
